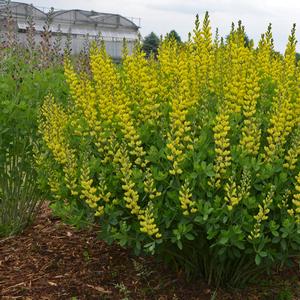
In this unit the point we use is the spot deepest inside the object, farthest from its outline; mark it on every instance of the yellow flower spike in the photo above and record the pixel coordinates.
(131, 196)
(293, 154)
(281, 124)
(265, 59)
(284, 117)
(89, 193)
(222, 148)
(185, 198)
(203, 55)
(54, 184)
(178, 137)
(100, 211)
(141, 81)
(296, 199)
(53, 128)
(149, 186)
(130, 134)
(147, 222)
(237, 57)
(250, 140)
(262, 214)
(232, 196)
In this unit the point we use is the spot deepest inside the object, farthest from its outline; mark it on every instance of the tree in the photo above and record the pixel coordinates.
(174, 35)
(151, 44)
(247, 41)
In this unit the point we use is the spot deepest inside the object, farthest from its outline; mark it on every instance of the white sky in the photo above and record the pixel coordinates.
(161, 16)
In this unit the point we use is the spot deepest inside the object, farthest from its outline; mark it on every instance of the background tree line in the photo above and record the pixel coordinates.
(151, 42)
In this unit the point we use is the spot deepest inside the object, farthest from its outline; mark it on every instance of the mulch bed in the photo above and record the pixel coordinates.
(51, 260)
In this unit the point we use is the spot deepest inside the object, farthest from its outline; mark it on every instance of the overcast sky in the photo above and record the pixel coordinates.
(161, 16)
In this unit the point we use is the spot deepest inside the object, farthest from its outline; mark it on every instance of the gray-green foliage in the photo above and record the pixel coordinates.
(19, 196)
(22, 88)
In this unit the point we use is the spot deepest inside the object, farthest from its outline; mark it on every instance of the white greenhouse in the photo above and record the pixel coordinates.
(79, 24)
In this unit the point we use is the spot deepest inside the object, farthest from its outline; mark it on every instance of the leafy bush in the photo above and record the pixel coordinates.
(193, 157)
(22, 88)
(19, 197)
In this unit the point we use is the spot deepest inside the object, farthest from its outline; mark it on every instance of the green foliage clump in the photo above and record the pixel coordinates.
(151, 44)
(22, 88)
(174, 35)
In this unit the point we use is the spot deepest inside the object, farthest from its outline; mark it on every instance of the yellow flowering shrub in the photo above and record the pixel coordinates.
(193, 156)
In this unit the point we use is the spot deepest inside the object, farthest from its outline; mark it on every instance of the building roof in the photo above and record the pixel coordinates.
(73, 16)
(21, 9)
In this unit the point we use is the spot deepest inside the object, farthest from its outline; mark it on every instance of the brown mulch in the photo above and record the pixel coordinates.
(51, 260)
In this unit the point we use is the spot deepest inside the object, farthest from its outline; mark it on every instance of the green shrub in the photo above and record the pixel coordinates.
(22, 89)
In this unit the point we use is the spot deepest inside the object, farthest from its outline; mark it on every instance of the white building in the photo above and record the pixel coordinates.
(76, 23)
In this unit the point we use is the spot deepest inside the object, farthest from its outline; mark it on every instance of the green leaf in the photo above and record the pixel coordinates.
(199, 219)
(263, 254)
(283, 244)
(210, 171)
(223, 240)
(257, 259)
(179, 244)
(189, 236)
(275, 233)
